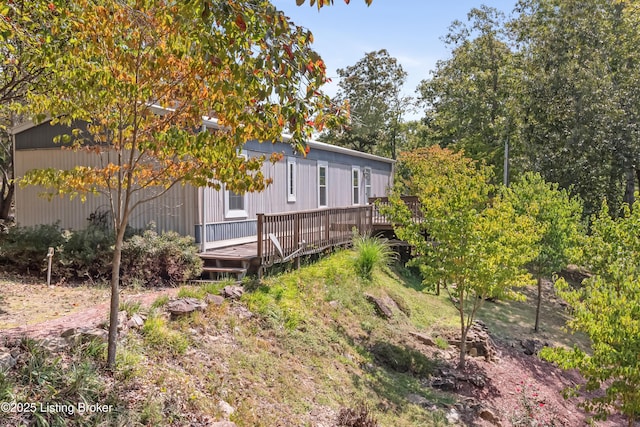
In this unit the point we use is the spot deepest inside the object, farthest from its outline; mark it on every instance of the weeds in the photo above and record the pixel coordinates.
(359, 416)
(371, 253)
(159, 336)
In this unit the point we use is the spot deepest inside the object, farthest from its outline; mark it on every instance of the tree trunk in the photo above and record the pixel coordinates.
(539, 303)
(630, 188)
(463, 339)
(115, 299)
(5, 200)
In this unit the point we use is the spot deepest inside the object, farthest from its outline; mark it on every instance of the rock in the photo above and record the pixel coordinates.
(334, 304)
(216, 300)
(183, 306)
(94, 334)
(381, 308)
(223, 424)
(226, 409)
(122, 321)
(232, 292)
(69, 333)
(478, 342)
(6, 361)
(443, 383)
(136, 322)
(488, 415)
(531, 347)
(241, 311)
(453, 416)
(55, 344)
(423, 338)
(416, 399)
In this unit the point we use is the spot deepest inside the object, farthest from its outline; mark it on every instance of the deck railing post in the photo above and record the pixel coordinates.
(260, 240)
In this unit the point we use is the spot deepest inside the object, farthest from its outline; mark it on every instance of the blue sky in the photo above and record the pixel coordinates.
(411, 30)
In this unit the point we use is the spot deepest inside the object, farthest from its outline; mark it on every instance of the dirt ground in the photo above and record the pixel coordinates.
(37, 310)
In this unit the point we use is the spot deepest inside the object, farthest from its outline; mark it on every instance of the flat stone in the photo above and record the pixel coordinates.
(381, 308)
(232, 292)
(94, 334)
(216, 300)
(69, 333)
(136, 322)
(55, 344)
(6, 361)
(423, 338)
(185, 305)
(226, 409)
(416, 399)
(122, 320)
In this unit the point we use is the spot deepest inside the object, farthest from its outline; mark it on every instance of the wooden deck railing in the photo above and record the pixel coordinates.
(319, 229)
(412, 203)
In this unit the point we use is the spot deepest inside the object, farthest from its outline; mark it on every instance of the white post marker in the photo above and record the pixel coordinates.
(50, 257)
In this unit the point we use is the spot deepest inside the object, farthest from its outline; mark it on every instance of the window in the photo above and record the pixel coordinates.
(291, 179)
(355, 184)
(234, 203)
(367, 184)
(322, 184)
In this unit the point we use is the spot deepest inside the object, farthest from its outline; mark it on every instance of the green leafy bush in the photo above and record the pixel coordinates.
(24, 249)
(157, 259)
(371, 252)
(87, 253)
(150, 258)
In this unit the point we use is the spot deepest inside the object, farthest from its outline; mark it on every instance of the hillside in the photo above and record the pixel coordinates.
(304, 348)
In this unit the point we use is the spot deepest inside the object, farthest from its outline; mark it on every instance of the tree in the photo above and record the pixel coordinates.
(372, 88)
(578, 96)
(477, 244)
(25, 38)
(469, 98)
(142, 74)
(557, 217)
(607, 308)
(322, 3)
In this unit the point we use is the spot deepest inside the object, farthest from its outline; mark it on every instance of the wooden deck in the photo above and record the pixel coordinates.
(300, 233)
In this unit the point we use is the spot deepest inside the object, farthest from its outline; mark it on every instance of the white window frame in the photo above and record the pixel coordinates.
(367, 184)
(354, 170)
(292, 179)
(235, 213)
(325, 166)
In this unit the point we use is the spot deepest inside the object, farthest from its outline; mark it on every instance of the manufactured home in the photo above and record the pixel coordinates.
(327, 177)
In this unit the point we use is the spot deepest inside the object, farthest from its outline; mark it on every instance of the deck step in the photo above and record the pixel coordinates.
(236, 270)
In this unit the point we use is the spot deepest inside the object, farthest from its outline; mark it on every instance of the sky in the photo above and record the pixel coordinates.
(410, 30)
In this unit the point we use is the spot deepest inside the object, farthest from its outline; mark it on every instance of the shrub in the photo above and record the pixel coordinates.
(156, 259)
(371, 252)
(24, 249)
(87, 253)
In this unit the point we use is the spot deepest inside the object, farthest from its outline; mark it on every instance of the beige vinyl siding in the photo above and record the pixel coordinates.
(176, 210)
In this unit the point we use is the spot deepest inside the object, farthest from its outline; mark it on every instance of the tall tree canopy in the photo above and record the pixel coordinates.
(579, 98)
(142, 74)
(469, 96)
(373, 89)
(25, 38)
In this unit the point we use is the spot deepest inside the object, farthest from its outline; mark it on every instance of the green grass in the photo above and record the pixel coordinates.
(313, 343)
